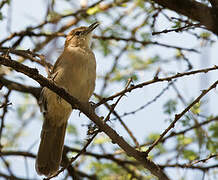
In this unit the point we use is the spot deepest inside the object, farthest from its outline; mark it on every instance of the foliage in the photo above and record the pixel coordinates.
(143, 49)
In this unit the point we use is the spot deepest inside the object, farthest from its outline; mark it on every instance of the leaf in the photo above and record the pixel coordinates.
(170, 106)
(71, 129)
(179, 54)
(177, 24)
(196, 108)
(153, 137)
(1, 16)
(101, 140)
(53, 16)
(214, 130)
(205, 35)
(108, 171)
(186, 121)
(184, 141)
(93, 10)
(212, 146)
(190, 155)
(105, 47)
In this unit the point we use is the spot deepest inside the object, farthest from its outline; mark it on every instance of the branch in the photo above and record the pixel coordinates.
(35, 91)
(202, 168)
(11, 177)
(172, 134)
(180, 29)
(178, 116)
(121, 122)
(193, 10)
(29, 55)
(3, 3)
(17, 153)
(132, 39)
(203, 160)
(145, 105)
(155, 80)
(89, 112)
(2, 117)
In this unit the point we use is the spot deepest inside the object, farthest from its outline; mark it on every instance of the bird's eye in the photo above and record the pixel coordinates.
(77, 33)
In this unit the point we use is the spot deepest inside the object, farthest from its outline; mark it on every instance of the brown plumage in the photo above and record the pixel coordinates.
(75, 70)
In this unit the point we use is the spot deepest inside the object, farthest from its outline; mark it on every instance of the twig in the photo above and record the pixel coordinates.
(114, 105)
(177, 29)
(178, 116)
(29, 55)
(121, 122)
(2, 117)
(3, 3)
(89, 140)
(173, 134)
(3, 105)
(132, 39)
(35, 91)
(155, 80)
(73, 158)
(147, 104)
(89, 112)
(202, 160)
(202, 168)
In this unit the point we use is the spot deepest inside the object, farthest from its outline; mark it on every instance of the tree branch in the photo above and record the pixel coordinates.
(155, 80)
(193, 10)
(178, 116)
(89, 112)
(35, 91)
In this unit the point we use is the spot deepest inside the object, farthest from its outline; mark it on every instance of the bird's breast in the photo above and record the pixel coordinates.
(77, 74)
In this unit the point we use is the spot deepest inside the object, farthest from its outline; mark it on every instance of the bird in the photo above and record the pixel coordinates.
(75, 71)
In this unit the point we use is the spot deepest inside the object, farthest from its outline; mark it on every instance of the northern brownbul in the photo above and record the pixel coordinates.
(75, 71)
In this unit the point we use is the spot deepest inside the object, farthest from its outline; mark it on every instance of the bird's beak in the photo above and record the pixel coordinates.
(91, 27)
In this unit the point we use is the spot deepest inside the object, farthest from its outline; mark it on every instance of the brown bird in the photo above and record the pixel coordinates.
(75, 71)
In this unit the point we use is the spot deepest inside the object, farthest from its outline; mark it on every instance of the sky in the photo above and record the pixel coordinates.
(151, 119)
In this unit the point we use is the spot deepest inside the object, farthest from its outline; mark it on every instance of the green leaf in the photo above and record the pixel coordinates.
(53, 16)
(1, 16)
(205, 35)
(105, 47)
(179, 54)
(140, 3)
(186, 121)
(177, 24)
(196, 108)
(71, 129)
(214, 130)
(212, 145)
(153, 137)
(101, 140)
(93, 10)
(108, 171)
(190, 155)
(184, 141)
(170, 106)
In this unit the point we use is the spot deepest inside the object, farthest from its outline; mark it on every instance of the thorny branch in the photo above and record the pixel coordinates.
(121, 122)
(145, 105)
(5, 110)
(133, 39)
(203, 160)
(89, 112)
(89, 140)
(173, 133)
(210, 24)
(155, 80)
(178, 116)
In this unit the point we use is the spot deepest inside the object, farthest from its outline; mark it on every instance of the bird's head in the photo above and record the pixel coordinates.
(81, 36)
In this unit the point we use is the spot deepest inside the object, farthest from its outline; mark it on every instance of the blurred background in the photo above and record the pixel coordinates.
(136, 39)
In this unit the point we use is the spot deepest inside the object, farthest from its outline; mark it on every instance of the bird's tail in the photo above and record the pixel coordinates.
(50, 149)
